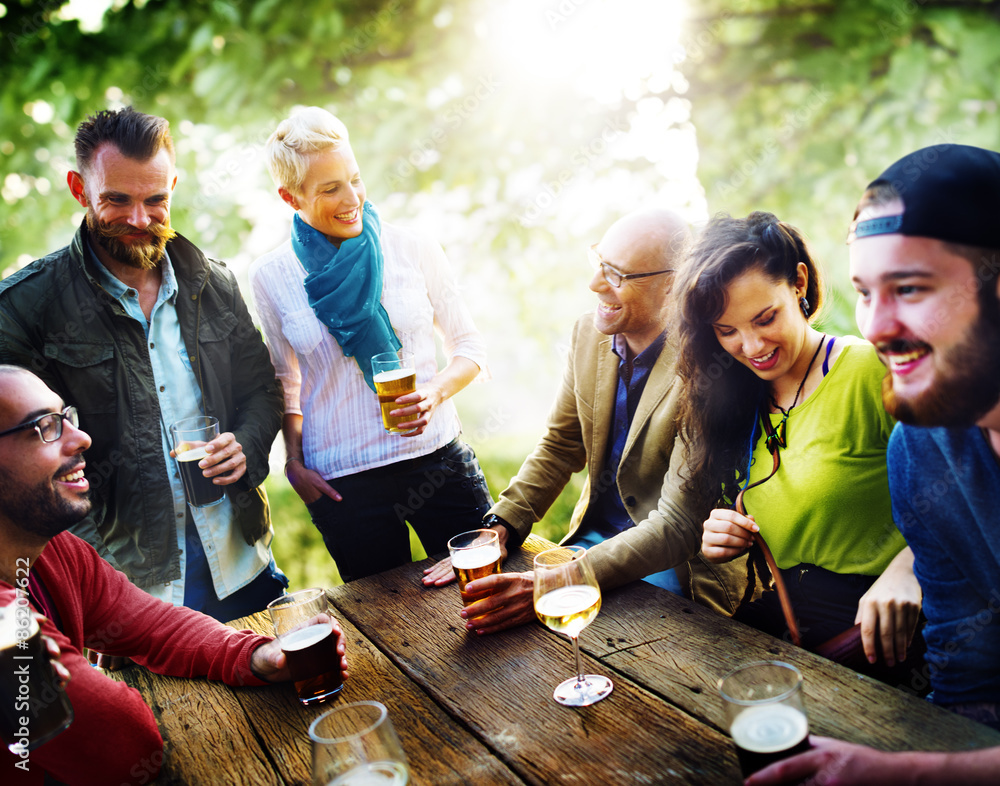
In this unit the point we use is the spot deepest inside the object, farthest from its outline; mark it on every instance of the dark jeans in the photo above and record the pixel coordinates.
(440, 495)
(199, 590)
(825, 604)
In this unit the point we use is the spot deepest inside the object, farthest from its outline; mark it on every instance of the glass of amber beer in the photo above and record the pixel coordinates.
(356, 745)
(189, 437)
(34, 708)
(310, 645)
(474, 555)
(764, 712)
(395, 375)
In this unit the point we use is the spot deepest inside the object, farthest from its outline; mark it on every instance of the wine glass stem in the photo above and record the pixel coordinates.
(579, 668)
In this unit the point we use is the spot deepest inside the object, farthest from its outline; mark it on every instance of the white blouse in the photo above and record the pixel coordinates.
(342, 426)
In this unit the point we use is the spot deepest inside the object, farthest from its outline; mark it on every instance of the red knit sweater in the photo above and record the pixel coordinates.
(114, 737)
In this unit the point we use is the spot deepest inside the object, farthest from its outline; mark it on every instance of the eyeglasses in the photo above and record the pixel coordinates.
(615, 277)
(50, 426)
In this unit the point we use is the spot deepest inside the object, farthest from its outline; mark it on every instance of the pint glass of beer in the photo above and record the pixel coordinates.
(310, 646)
(764, 712)
(395, 375)
(474, 555)
(356, 745)
(189, 437)
(34, 708)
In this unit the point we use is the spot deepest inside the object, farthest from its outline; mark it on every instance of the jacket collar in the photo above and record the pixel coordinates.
(190, 265)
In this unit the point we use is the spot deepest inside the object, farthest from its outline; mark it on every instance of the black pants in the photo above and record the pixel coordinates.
(825, 604)
(440, 495)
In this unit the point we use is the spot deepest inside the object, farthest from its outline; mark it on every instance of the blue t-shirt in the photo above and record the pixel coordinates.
(945, 486)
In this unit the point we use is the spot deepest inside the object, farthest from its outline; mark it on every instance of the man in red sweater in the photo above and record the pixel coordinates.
(86, 603)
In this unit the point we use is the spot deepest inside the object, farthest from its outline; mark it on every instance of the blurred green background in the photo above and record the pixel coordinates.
(514, 131)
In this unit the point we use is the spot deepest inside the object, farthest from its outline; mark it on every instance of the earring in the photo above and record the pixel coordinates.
(804, 305)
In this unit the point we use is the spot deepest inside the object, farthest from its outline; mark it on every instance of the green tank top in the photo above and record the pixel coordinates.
(829, 504)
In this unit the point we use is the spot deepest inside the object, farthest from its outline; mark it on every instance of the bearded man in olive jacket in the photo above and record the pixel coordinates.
(615, 415)
(132, 325)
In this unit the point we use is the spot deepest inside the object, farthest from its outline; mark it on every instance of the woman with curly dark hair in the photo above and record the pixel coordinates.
(758, 378)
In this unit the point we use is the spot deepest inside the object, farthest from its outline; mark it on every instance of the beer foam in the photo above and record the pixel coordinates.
(478, 557)
(16, 624)
(195, 454)
(393, 375)
(304, 637)
(770, 728)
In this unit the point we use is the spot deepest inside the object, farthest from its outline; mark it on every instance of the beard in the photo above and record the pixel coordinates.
(41, 510)
(967, 385)
(141, 255)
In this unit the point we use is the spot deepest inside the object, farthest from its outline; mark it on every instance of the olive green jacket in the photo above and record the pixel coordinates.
(56, 320)
(667, 533)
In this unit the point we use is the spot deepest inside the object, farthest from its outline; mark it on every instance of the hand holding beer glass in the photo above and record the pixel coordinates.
(395, 375)
(189, 437)
(356, 745)
(305, 631)
(764, 712)
(34, 708)
(567, 599)
(474, 555)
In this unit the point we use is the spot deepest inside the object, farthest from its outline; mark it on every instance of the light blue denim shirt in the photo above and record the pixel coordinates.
(233, 563)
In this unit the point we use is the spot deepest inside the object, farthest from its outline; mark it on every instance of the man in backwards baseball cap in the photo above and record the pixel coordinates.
(925, 261)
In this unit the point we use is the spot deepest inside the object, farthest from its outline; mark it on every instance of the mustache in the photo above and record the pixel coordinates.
(901, 345)
(156, 230)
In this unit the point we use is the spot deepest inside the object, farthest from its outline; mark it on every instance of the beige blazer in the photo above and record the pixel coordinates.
(667, 532)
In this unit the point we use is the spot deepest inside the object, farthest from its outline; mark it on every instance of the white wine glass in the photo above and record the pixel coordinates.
(567, 599)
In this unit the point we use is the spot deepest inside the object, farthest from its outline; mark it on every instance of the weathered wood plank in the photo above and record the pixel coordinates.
(204, 728)
(679, 650)
(503, 692)
(439, 750)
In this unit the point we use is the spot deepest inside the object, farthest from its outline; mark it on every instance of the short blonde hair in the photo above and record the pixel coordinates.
(307, 131)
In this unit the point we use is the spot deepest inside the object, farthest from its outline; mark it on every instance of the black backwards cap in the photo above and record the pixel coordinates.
(949, 192)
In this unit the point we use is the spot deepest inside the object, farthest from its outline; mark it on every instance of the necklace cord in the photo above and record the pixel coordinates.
(779, 433)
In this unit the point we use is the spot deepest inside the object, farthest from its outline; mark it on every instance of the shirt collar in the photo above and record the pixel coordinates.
(644, 359)
(118, 289)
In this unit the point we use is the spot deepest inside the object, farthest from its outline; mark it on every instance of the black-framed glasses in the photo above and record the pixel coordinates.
(615, 277)
(49, 426)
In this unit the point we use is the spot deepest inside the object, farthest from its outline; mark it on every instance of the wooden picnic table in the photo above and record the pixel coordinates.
(479, 710)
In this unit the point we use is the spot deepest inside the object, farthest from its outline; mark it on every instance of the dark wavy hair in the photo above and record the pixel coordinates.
(720, 397)
(135, 134)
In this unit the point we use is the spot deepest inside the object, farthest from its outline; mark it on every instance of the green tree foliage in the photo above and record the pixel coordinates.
(799, 105)
(481, 122)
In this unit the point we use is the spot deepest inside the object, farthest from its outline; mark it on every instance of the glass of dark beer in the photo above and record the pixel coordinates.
(474, 555)
(189, 437)
(356, 745)
(310, 645)
(764, 712)
(34, 708)
(395, 375)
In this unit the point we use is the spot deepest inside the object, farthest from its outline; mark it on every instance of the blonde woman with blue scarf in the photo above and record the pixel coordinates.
(345, 287)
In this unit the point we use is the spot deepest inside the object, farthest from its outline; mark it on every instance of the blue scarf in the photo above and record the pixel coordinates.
(344, 286)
